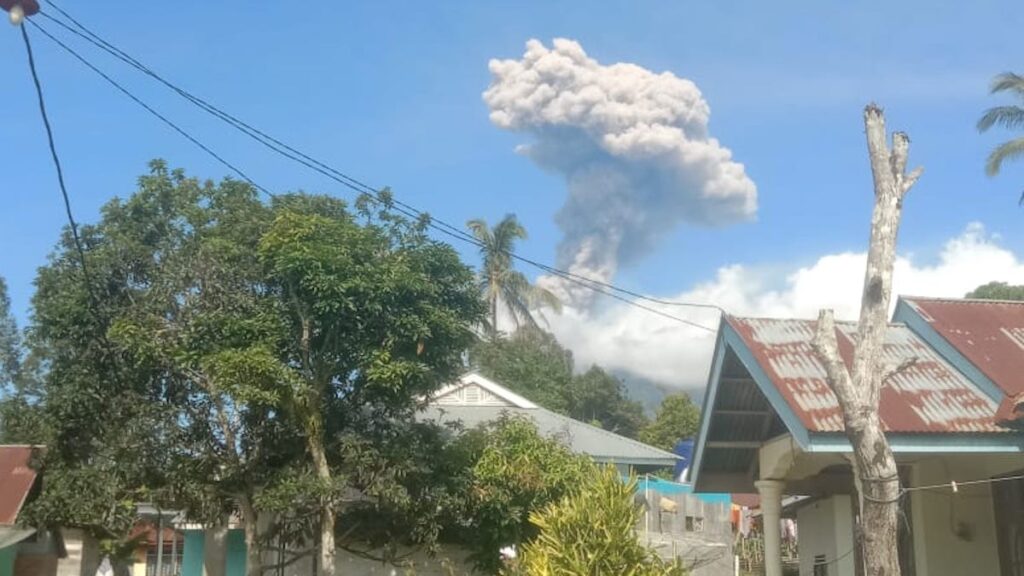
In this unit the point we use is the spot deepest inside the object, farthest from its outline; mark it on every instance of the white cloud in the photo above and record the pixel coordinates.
(678, 356)
(633, 146)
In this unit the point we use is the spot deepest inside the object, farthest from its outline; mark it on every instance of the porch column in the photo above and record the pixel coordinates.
(771, 514)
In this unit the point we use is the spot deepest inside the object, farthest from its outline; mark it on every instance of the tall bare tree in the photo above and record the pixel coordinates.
(858, 388)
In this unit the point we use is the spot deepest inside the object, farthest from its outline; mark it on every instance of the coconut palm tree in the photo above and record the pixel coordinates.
(500, 283)
(1011, 117)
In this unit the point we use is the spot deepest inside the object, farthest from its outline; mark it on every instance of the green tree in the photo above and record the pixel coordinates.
(375, 317)
(1010, 117)
(500, 283)
(530, 362)
(21, 417)
(10, 340)
(158, 380)
(108, 448)
(677, 418)
(997, 291)
(202, 326)
(592, 532)
(598, 397)
(229, 355)
(515, 471)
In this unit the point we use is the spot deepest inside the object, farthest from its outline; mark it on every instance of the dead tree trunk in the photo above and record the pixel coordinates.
(858, 389)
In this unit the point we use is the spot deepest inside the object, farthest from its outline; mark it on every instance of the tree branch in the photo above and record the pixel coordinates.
(878, 150)
(902, 367)
(909, 180)
(898, 157)
(827, 347)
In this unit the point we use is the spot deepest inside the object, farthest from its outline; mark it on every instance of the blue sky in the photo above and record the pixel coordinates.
(391, 93)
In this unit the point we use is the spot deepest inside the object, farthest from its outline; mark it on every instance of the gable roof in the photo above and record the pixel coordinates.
(766, 381)
(474, 400)
(987, 333)
(927, 396)
(472, 389)
(16, 481)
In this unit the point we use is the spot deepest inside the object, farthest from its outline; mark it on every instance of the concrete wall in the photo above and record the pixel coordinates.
(192, 557)
(954, 534)
(7, 560)
(826, 529)
(82, 554)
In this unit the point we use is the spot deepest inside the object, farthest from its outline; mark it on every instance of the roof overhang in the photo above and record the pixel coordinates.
(729, 343)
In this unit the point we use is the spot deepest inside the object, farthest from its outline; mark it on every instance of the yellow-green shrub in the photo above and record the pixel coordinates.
(591, 532)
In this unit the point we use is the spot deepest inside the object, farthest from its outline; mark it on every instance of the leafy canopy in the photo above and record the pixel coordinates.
(1010, 117)
(997, 291)
(532, 363)
(501, 285)
(514, 472)
(677, 418)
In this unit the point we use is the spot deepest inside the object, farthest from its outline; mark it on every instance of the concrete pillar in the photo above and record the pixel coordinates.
(215, 551)
(771, 514)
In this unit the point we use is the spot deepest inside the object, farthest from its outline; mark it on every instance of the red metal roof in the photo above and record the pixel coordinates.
(151, 535)
(929, 396)
(989, 333)
(16, 481)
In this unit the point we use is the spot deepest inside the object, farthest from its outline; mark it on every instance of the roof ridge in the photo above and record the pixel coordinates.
(607, 432)
(963, 300)
(892, 323)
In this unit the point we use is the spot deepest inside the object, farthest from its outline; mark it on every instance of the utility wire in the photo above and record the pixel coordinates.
(56, 162)
(148, 108)
(284, 149)
(287, 151)
(954, 486)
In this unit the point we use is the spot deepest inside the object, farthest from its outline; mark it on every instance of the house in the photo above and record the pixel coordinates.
(26, 551)
(770, 423)
(676, 522)
(474, 400)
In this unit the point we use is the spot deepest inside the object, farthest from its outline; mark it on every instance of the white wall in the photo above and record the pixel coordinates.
(825, 528)
(954, 534)
(449, 561)
(82, 554)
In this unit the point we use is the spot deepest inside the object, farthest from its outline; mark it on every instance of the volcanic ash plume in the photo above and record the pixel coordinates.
(633, 147)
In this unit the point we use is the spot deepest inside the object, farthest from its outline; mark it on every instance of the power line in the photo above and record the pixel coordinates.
(300, 157)
(56, 161)
(284, 149)
(148, 108)
(954, 485)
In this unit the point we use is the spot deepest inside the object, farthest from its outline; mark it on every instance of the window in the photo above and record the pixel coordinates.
(820, 565)
(694, 523)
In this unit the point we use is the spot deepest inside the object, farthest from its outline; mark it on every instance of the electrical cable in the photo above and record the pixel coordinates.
(352, 183)
(79, 248)
(148, 108)
(56, 161)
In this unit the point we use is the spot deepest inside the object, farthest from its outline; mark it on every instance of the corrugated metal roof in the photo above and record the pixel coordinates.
(989, 333)
(16, 481)
(601, 445)
(929, 396)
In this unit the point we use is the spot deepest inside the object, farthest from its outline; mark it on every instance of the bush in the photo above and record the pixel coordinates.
(591, 532)
(516, 472)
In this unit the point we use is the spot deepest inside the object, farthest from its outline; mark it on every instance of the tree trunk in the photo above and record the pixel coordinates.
(120, 567)
(494, 315)
(253, 547)
(327, 508)
(858, 390)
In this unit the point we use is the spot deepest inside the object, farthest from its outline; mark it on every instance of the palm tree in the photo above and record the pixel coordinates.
(1011, 117)
(500, 283)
